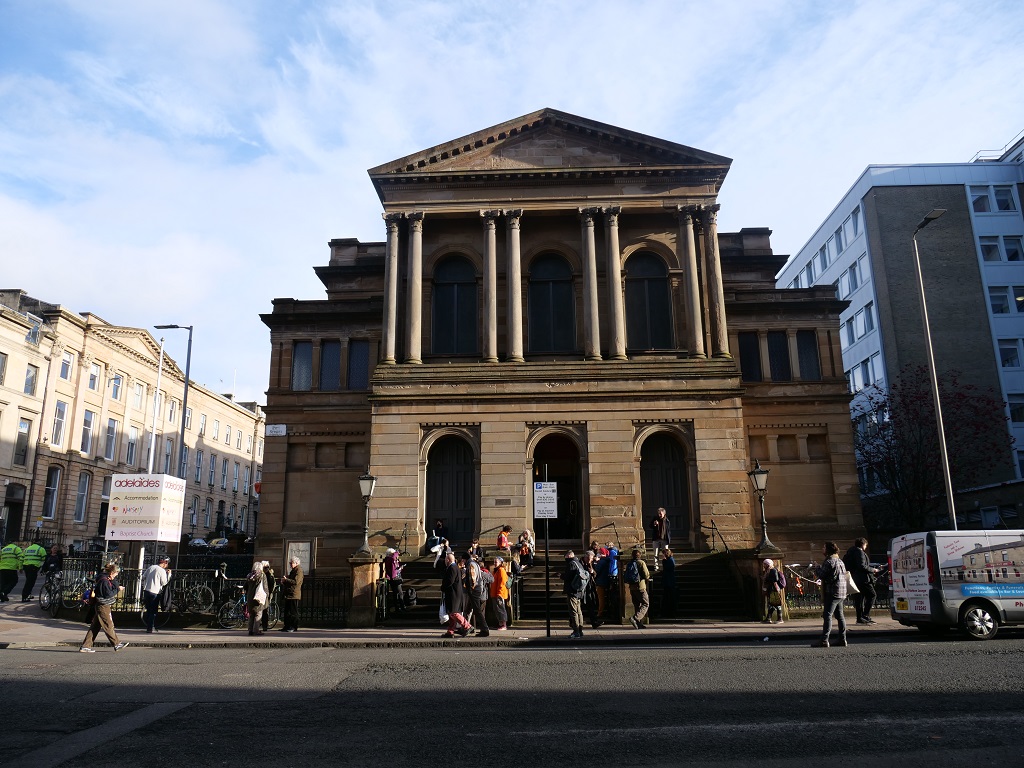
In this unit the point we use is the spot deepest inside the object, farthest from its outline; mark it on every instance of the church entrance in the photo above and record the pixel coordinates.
(451, 492)
(664, 483)
(556, 460)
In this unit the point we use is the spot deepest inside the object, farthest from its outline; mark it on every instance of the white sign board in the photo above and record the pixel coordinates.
(545, 501)
(275, 430)
(145, 508)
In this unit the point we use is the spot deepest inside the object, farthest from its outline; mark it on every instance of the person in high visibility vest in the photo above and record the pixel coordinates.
(32, 558)
(10, 564)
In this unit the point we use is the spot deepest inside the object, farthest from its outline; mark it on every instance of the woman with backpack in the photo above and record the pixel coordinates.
(773, 586)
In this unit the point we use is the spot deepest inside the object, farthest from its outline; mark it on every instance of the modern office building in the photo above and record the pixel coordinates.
(972, 262)
(76, 407)
(553, 302)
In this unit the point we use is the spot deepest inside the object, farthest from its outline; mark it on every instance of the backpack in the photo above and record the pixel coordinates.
(486, 579)
(632, 573)
(580, 577)
(782, 579)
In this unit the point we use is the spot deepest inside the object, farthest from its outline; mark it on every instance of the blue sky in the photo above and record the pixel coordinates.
(186, 161)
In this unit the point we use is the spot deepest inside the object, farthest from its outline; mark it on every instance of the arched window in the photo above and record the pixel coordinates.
(454, 307)
(648, 309)
(50, 494)
(552, 314)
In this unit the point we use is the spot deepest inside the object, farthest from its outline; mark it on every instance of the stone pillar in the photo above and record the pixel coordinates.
(490, 285)
(688, 260)
(617, 343)
(716, 293)
(362, 610)
(591, 325)
(391, 288)
(414, 322)
(514, 321)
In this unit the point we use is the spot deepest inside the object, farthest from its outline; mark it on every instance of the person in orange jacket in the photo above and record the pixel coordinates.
(499, 592)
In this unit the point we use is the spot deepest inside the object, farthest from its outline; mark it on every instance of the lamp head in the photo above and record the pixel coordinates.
(929, 217)
(758, 477)
(367, 483)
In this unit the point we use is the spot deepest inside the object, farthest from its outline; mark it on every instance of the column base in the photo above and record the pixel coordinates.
(515, 360)
(722, 356)
(413, 361)
(388, 361)
(593, 358)
(490, 359)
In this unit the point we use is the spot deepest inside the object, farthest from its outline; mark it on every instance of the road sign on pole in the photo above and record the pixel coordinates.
(545, 501)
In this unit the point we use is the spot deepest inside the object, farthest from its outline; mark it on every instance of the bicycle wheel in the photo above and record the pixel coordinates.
(273, 614)
(161, 618)
(230, 615)
(71, 594)
(45, 597)
(54, 599)
(201, 599)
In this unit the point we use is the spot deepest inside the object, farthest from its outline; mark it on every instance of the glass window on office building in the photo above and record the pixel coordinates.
(94, 376)
(88, 421)
(67, 364)
(358, 364)
(778, 356)
(60, 414)
(1014, 248)
(1004, 198)
(82, 497)
(330, 366)
(750, 355)
(21, 442)
(115, 386)
(31, 377)
(133, 446)
(989, 248)
(50, 494)
(110, 441)
(1017, 408)
(999, 299)
(807, 353)
(1009, 353)
(140, 391)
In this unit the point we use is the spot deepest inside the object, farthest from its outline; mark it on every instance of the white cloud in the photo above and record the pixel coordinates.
(211, 148)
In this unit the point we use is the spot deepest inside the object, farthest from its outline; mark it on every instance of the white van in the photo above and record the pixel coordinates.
(968, 579)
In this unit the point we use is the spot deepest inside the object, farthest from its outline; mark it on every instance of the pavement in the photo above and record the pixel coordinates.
(24, 625)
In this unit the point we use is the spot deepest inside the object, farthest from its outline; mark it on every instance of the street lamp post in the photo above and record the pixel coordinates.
(932, 374)
(184, 398)
(759, 479)
(367, 483)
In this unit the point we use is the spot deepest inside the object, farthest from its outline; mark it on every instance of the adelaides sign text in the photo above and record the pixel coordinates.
(145, 508)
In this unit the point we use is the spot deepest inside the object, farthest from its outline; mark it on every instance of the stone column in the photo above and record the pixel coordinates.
(591, 325)
(514, 277)
(391, 288)
(617, 343)
(688, 260)
(490, 285)
(716, 293)
(414, 322)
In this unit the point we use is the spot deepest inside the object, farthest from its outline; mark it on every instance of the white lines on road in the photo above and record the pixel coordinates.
(81, 742)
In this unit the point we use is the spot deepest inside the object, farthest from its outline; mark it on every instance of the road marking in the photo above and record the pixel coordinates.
(75, 744)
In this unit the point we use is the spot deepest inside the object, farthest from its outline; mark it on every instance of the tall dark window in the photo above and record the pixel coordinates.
(648, 310)
(552, 314)
(455, 309)
(750, 355)
(330, 366)
(302, 366)
(778, 356)
(807, 352)
(358, 364)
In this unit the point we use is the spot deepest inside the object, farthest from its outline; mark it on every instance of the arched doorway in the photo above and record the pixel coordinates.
(557, 460)
(14, 506)
(451, 488)
(664, 483)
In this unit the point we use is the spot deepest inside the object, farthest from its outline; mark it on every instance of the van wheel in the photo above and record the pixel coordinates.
(979, 623)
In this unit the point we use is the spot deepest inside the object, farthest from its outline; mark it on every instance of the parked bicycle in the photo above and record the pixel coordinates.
(235, 613)
(185, 598)
(73, 591)
(50, 595)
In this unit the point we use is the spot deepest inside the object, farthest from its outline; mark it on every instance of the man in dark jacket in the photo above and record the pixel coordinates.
(857, 563)
(661, 532)
(574, 585)
(291, 593)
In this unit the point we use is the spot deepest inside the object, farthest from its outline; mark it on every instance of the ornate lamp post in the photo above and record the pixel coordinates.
(759, 479)
(367, 483)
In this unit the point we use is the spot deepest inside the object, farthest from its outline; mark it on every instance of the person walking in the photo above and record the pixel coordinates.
(10, 564)
(451, 588)
(636, 575)
(590, 603)
(32, 558)
(574, 585)
(832, 578)
(499, 592)
(668, 584)
(772, 588)
(478, 588)
(393, 574)
(661, 532)
(104, 594)
(256, 594)
(859, 565)
(291, 593)
(154, 579)
(272, 587)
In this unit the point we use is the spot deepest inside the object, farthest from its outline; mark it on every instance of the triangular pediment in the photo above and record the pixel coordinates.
(550, 141)
(137, 342)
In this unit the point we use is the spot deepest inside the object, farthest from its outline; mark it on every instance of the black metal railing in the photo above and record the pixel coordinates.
(803, 593)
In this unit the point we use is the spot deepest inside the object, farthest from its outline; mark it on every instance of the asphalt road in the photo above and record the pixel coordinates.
(878, 703)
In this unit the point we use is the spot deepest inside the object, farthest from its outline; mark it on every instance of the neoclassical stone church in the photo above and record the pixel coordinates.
(554, 302)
